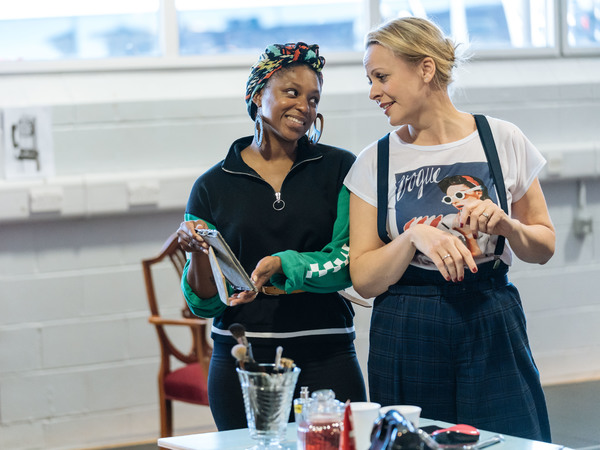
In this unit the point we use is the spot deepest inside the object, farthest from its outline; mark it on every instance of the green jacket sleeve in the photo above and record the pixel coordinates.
(202, 307)
(323, 271)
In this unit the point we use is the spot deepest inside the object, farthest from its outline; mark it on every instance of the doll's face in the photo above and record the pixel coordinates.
(458, 195)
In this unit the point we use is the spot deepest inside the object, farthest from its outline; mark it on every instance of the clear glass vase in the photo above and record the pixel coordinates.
(268, 401)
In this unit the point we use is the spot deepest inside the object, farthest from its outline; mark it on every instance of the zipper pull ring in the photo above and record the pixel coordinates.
(278, 204)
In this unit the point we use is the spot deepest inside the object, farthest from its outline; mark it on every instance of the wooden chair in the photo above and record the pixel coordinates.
(184, 381)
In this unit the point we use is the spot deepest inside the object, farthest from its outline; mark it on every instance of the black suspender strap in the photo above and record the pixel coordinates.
(383, 166)
(491, 153)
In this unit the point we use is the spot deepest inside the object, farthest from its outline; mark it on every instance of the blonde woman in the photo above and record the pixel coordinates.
(447, 330)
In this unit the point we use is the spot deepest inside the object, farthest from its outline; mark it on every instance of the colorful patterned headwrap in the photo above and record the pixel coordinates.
(274, 58)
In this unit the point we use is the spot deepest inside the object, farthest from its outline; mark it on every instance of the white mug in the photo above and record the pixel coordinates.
(410, 412)
(364, 415)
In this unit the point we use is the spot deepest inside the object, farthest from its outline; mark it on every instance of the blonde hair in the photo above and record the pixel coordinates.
(413, 39)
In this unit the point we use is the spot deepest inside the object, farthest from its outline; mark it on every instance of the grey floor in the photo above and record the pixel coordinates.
(574, 411)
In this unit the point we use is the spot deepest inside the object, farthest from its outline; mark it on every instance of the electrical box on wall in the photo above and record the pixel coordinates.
(46, 199)
(574, 162)
(143, 192)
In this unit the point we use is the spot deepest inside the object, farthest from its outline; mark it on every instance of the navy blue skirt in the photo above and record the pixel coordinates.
(459, 351)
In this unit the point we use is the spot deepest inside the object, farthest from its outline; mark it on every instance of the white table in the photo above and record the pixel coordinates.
(240, 440)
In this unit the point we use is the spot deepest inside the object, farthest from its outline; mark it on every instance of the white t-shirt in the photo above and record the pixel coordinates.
(429, 184)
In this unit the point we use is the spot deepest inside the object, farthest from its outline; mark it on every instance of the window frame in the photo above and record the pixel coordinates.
(170, 59)
(566, 49)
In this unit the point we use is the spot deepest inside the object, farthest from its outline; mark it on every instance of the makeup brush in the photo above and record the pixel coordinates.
(238, 331)
(287, 364)
(239, 353)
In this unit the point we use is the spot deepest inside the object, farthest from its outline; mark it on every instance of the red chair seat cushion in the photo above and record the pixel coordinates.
(187, 384)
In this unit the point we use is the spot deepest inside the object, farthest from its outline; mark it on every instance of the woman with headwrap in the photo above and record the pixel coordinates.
(278, 199)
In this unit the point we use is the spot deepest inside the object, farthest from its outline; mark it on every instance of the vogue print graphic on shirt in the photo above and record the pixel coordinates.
(437, 193)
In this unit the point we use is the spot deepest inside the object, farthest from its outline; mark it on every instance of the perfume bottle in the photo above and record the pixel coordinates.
(300, 404)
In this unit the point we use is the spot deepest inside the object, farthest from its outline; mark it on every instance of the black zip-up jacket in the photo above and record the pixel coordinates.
(245, 209)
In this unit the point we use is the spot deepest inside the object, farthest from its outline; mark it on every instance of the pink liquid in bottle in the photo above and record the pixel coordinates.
(323, 435)
(321, 427)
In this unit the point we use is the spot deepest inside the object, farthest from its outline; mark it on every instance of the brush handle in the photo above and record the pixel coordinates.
(249, 352)
(278, 354)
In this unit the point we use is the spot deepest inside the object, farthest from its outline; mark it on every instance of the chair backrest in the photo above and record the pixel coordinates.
(200, 349)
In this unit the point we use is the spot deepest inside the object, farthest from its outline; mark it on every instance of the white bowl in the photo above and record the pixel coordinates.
(410, 412)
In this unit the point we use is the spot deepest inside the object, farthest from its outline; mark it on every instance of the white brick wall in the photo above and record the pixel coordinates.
(78, 359)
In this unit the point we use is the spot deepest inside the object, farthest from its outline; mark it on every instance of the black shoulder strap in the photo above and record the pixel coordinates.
(491, 153)
(383, 166)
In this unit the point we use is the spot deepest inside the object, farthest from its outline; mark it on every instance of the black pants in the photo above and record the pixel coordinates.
(323, 366)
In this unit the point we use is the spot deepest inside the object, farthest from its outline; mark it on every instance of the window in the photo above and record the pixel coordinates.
(244, 26)
(583, 23)
(149, 33)
(484, 24)
(66, 29)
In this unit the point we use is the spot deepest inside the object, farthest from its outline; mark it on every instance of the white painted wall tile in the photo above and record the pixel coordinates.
(22, 435)
(63, 115)
(118, 291)
(105, 196)
(40, 298)
(142, 340)
(96, 113)
(174, 193)
(567, 329)
(116, 388)
(84, 342)
(575, 365)
(190, 418)
(559, 289)
(103, 429)
(24, 398)
(67, 392)
(15, 202)
(20, 350)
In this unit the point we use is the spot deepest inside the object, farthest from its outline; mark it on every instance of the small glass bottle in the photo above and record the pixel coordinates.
(300, 409)
(321, 426)
(300, 404)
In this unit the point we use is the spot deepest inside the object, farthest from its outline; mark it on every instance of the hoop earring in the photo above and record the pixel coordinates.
(258, 129)
(315, 132)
